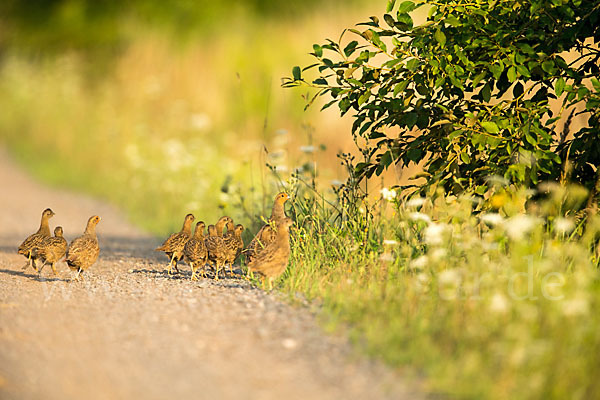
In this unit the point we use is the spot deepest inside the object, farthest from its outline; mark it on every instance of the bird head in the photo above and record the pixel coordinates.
(58, 231)
(282, 197)
(47, 213)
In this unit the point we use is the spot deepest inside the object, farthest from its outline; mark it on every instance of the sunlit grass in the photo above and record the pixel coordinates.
(496, 305)
(169, 129)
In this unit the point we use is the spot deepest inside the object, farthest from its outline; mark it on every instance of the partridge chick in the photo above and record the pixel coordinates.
(233, 244)
(215, 244)
(273, 259)
(267, 234)
(84, 250)
(35, 240)
(173, 246)
(194, 251)
(52, 249)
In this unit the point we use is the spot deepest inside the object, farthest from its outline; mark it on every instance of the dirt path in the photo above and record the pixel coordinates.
(129, 331)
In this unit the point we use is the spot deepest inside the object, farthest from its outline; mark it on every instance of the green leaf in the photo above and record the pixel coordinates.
(318, 50)
(465, 157)
(296, 73)
(490, 127)
(486, 92)
(350, 48)
(559, 86)
(406, 7)
(389, 20)
(512, 74)
(390, 5)
(453, 21)
(440, 37)
(596, 84)
(523, 70)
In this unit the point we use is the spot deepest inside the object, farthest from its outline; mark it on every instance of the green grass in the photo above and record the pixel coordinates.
(482, 311)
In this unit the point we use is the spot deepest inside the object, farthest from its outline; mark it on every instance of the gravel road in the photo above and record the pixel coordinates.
(130, 331)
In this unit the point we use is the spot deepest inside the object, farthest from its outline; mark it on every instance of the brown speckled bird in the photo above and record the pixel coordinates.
(267, 234)
(35, 240)
(52, 249)
(215, 244)
(233, 244)
(84, 250)
(273, 259)
(194, 251)
(173, 246)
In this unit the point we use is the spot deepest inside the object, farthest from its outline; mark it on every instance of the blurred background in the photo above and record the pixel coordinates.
(168, 108)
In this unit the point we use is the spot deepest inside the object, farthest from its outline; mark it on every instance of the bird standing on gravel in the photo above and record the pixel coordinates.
(83, 251)
(273, 259)
(175, 243)
(52, 249)
(267, 233)
(35, 240)
(215, 244)
(194, 251)
(233, 244)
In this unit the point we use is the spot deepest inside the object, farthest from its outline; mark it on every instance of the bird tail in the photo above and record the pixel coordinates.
(161, 248)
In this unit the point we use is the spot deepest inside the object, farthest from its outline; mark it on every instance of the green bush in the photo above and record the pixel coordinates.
(481, 88)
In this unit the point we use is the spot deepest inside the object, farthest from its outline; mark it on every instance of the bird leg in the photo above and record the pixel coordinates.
(270, 283)
(76, 277)
(170, 265)
(30, 262)
(217, 272)
(53, 269)
(41, 268)
(193, 271)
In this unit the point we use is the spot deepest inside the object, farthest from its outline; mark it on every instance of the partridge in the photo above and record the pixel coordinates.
(273, 259)
(173, 246)
(267, 234)
(233, 245)
(83, 251)
(215, 244)
(194, 251)
(52, 249)
(35, 240)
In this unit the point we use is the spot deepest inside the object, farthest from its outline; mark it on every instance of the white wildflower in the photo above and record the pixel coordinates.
(492, 219)
(415, 202)
(307, 149)
(422, 281)
(417, 216)
(390, 242)
(419, 262)
(336, 182)
(361, 210)
(388, 194)
(564, 225)
(200, 122)
(575, 307)
(499, 304)
(519, 225)
(438, 254)
(434, 233)
(449, 277)
(281, 168)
